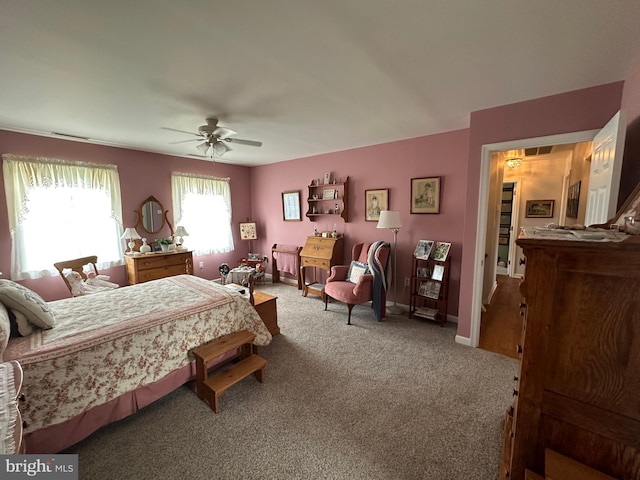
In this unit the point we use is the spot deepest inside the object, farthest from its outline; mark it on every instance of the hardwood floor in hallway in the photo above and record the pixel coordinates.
(501, 324)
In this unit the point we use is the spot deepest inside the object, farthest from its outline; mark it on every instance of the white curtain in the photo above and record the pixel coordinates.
(202, 205)
(60, 210)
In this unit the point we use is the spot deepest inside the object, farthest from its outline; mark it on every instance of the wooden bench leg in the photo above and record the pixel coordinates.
(259, 374)
(215, 405)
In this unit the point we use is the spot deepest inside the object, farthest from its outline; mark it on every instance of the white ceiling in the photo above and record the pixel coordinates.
(304, 77)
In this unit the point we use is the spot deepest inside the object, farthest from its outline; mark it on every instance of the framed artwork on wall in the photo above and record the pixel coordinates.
(248, 231)
(375, 201)
(425, 195)
(540, 208)
(291, 206)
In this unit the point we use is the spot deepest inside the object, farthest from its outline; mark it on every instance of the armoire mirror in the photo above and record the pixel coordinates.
(152, 217)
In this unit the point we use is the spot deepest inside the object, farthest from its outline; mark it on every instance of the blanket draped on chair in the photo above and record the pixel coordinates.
(379, 294)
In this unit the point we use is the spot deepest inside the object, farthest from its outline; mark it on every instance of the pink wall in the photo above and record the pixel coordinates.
(390, 165)
(141, 174)
(576, 111)
(455, 156)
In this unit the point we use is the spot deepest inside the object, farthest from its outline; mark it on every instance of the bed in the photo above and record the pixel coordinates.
(111, 353)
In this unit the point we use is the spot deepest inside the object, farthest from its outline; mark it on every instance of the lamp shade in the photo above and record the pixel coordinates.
(180, 232)
(389, 219)
(130, 233)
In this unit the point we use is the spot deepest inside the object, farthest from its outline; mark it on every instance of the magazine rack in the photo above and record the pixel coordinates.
(430, 288)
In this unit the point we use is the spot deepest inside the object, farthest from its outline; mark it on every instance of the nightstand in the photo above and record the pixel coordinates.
(265, 305)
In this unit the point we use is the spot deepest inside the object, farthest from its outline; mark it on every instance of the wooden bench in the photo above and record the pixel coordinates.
(209, 388)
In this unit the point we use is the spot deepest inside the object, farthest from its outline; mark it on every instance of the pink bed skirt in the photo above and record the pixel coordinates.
(56, 438)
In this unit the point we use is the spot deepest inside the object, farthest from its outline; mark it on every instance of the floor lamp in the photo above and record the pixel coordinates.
(390, 220)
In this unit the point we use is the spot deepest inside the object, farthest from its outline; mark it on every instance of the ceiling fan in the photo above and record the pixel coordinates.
(214, 137)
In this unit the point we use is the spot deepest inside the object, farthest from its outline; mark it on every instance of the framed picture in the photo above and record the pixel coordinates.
(327, 178)
(422, 272)
(433, 289)
(329, 194)
(425, 195)
(438, 272)
(573, 199)
(248, 231)
(375, 201)
(540, 208)
(291, 206)
(441, 251)
(423, 249)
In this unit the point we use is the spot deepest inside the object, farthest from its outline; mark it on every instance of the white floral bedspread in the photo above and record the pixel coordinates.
(107, 344)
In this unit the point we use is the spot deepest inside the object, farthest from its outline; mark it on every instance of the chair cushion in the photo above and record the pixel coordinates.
(356, 270)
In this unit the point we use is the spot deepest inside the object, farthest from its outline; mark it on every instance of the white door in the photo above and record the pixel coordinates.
(513, 251)
(604, 179)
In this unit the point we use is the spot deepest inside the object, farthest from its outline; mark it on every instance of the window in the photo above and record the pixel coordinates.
(59, 210)
(203, 206)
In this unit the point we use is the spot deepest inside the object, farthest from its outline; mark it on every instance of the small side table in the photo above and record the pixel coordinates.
(265, 305)
(238, 274)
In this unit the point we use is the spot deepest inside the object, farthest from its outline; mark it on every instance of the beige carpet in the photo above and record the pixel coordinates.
(396, 399)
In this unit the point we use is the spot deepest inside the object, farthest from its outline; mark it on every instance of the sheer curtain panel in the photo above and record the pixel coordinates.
(202, 205)
(60, 210)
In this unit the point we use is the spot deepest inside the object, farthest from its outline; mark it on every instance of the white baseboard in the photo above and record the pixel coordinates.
(466, 341)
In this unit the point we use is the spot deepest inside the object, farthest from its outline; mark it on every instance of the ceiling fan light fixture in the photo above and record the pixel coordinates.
(219, 149)
(203, 147)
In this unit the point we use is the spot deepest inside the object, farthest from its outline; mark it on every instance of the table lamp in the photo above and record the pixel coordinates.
(179, 233)
(131, 234)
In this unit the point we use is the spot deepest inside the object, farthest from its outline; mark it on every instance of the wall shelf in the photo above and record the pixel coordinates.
(330, 199)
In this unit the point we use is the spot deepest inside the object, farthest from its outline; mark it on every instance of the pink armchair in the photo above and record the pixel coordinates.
(353, 285)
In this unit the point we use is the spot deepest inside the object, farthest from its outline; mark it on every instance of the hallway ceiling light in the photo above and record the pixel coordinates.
(513, 162)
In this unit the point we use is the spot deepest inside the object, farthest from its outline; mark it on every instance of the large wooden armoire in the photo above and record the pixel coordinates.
(578, 389)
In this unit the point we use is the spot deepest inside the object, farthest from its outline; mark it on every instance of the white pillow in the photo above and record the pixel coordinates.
(24, 327)
(356, 270)
(21, 299)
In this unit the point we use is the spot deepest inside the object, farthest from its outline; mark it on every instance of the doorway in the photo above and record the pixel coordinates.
(486, 170)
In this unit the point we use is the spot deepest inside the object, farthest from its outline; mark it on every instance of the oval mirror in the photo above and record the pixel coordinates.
(152, 216)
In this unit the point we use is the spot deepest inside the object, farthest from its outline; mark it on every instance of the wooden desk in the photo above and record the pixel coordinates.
(322, 253)
(265, 305)
(145, 267)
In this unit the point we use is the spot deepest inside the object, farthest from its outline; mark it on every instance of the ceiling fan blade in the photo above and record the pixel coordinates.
(185, 141)
(181, 131)
(223, 132)
(240, 141)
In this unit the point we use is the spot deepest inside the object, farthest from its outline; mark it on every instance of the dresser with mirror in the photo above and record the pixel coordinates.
(152, 218)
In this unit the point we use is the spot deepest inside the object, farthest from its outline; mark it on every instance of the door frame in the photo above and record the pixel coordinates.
(483, 204)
